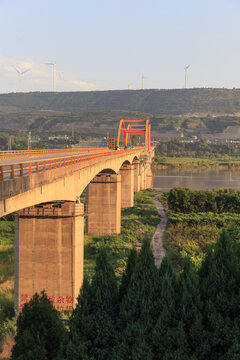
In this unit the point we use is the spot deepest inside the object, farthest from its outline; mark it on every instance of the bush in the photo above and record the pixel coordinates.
(184, 200)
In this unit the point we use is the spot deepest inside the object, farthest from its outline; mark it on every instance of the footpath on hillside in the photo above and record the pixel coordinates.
(157, 240)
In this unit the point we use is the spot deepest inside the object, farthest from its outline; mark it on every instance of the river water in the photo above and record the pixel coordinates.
(197, 180)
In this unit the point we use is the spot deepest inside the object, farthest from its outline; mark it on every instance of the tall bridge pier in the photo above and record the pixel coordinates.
(127, 181)
(49, 244)
(104, 205)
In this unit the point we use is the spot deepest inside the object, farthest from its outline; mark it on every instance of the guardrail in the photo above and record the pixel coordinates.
(25, 168)
(45, 151)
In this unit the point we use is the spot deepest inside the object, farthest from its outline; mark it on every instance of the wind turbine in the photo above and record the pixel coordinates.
(186, 75)
(54, 65)
(20, 73)
(143, 80)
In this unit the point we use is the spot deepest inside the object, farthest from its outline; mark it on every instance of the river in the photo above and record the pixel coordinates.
(197, 180)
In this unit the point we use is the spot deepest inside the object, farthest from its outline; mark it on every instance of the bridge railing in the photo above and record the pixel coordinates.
(14, 170)
(4, 154)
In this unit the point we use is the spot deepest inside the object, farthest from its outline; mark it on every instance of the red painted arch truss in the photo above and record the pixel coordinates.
(135, 127)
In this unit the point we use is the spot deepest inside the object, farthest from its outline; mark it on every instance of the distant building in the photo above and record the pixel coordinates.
(65, 137)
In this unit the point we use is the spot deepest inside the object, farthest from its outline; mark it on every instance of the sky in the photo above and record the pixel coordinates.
(108, 44)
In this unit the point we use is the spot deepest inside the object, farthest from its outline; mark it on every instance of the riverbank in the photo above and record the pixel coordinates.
(190, 163)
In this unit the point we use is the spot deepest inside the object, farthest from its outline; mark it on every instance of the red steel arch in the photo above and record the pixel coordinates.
(135, 127)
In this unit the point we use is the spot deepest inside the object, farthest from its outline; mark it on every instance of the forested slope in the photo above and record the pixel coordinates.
(174, 101)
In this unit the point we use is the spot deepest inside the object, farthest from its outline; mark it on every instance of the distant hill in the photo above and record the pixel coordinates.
(201, 112)
(168, 102)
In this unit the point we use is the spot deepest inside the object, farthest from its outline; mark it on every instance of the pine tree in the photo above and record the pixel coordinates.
(168, 335)
(190, 313)
(219, 280)
(132, 259)
(138, 309)
(92, 326)
(39, 330)
(234, 352)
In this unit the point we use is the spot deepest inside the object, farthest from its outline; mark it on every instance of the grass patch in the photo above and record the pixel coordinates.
(189, 234)
(137, 222)
(7, 321)
(6, 232)
(183, 240)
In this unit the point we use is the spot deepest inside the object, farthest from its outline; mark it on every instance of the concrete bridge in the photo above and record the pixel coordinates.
(44, 193)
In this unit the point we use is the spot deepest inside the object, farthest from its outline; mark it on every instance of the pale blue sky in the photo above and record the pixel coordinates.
(106, 44)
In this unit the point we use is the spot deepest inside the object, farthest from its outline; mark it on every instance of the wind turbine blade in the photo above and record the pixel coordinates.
(16, 70)
(23, 72)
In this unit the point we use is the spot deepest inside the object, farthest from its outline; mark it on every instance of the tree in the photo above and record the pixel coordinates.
(219, 281)
(92, 325)
(132, 259)
(39, 330)
(168, 339)
(138, 309)
(190, 313)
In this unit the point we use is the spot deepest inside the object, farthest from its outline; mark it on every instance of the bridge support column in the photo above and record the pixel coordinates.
(142, 177)
(104, 205)
(149, 178)
(127, 180)
(136, 165)
(49, 243)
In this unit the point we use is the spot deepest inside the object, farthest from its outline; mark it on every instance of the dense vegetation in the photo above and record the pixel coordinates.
(186, 201)
(39, 330)
(197, 155)
(175, 101)
(156, 315)
(196, 219)
(197, 149)
(7, 322)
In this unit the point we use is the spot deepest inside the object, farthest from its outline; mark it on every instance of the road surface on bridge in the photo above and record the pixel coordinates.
(40, 157)
(30, 164)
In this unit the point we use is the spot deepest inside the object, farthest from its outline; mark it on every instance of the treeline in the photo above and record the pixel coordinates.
(200, 149)
(153, 315)
(184, 200)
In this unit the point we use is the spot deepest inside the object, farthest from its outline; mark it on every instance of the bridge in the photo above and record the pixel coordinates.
(43, 189)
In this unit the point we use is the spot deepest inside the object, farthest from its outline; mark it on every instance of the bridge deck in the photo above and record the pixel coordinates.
(12, 168)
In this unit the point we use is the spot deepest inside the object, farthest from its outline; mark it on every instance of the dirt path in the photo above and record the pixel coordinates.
(157, 240)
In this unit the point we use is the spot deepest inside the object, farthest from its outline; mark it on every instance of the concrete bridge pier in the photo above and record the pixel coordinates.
(127, 185)
(149, 178)
(142, 177)
(104, 204)
(136, 165)
(49, 245)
